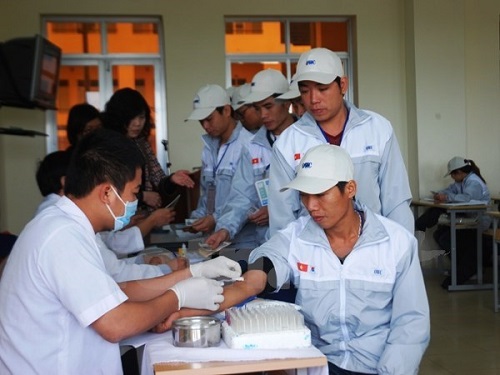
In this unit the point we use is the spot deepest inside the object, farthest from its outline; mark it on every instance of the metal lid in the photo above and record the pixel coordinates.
(196, 322)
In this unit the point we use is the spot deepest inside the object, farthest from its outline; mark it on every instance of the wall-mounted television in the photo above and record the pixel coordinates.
(29, 72)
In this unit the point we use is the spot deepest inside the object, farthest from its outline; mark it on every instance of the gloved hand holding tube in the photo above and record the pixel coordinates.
(218, 267)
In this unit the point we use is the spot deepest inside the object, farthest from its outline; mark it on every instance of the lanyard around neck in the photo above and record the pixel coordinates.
(270, 137)
(220, 160)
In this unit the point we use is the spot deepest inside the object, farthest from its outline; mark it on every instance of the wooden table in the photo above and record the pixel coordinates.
(238, 367)
(496, 200)
(157, 355)
(453, 209)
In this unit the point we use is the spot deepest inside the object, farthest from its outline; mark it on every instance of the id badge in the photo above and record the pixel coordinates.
(210, 198)
(262, 187)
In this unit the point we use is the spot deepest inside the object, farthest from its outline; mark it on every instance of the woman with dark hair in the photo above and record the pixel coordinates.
(82, 119)
(468, 185)
(128, 112)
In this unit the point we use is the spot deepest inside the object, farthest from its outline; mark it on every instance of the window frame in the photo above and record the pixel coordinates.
(289, 58)
(104, 62)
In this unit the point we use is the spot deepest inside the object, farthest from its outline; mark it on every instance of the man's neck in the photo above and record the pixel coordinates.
(224, 138)
(344, 236)
(289, 120)
(92, 209)
(335, 125)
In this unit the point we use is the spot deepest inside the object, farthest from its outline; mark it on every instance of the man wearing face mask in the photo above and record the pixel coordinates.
(50, 177)
(130, 209)
(60, 308)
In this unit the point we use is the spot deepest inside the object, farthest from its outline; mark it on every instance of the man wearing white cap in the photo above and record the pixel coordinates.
(358, 276)
(367, 136)
(244, 203)
(246, 113)
(221, 153)
(293, 94)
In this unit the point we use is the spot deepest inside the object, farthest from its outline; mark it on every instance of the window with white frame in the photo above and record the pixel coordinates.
(256, 43)
(101, 55)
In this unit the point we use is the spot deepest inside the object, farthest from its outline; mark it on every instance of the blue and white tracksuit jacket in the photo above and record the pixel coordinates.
(369, 314)
(253, 166)
(379, 169)
(218, 167)
(471, 188)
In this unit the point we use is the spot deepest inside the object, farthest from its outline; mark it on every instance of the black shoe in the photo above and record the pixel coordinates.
(446, 283)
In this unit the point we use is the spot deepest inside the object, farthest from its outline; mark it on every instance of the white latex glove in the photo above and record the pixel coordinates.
(220, 266)
(199, 293)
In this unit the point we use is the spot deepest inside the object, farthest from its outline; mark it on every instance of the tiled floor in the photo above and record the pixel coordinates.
(465, 331)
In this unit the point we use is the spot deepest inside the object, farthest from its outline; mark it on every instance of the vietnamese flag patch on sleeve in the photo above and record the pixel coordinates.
(255, 161)
(296, 156)
(302, 267)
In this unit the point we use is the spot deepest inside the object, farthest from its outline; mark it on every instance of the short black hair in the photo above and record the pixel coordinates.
(50, 171)
(79, 115)
(341, 185)
(123, 106)
(102, 156)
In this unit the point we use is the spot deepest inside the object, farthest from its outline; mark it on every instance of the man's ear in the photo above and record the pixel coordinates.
(344, 85)
(105, 192)
(285, 103)
(351, 188)
(227, 110)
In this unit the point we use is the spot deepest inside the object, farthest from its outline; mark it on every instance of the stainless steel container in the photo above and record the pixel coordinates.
(197, 332)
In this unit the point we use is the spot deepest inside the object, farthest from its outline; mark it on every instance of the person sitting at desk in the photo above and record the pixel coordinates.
(359, 280)
(50, 178)
(61, 311)
(468, 185)
(124, 112)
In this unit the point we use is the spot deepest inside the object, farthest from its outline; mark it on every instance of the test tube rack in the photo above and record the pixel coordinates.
(265, 326)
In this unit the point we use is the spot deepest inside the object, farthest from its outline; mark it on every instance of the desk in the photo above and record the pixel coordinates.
(496, 238)
(161, 357)
(239, 367)
(496, 200)
(171, 238)
(453, 210)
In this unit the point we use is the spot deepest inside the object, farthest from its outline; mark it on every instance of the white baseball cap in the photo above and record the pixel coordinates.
(293, 90)
(456, 162)
(265, 83)
(319, 65)
(239, 95)
(321, 168)
(206, 100)
(230, 91)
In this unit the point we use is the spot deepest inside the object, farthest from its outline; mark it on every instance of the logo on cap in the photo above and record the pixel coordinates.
(307, 164)
(310, 62)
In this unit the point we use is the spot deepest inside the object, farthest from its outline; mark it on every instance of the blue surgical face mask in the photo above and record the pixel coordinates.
(123, 220)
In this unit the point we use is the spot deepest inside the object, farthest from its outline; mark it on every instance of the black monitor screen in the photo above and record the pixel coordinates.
(29, 69)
